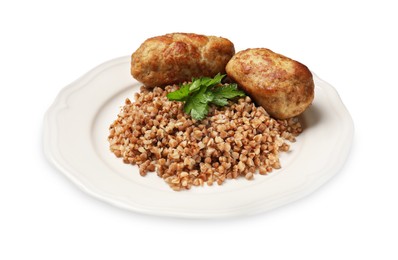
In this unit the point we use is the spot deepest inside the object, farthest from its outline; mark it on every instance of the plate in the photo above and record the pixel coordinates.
(76, 127)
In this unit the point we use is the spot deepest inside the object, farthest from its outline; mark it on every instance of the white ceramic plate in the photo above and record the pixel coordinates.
(75, 141)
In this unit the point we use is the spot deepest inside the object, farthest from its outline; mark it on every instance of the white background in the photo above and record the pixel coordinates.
(48, 44)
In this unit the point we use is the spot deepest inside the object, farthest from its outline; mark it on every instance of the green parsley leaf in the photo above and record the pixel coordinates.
(180, 94)
(198, 94)
(197, 100)
(217, 79)
(205, 81)
(223, 93)
(195, 85)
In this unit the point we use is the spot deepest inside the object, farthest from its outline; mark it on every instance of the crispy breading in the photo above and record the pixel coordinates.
(284, 87)
(177, 57)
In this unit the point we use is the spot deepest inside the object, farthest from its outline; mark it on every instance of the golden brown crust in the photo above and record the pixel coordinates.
(177, 57)
(284, 87)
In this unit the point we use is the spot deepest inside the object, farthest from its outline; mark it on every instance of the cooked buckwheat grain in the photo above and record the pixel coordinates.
(236, 140)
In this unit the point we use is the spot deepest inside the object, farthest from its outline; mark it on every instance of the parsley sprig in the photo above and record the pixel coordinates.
(198, 94)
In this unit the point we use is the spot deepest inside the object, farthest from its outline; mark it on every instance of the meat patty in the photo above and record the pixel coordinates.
(284, 87)
(177, 57)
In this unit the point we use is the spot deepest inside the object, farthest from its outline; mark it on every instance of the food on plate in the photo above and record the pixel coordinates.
(193, 127)
(236, 140)
(284, 87)
(177, 57)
